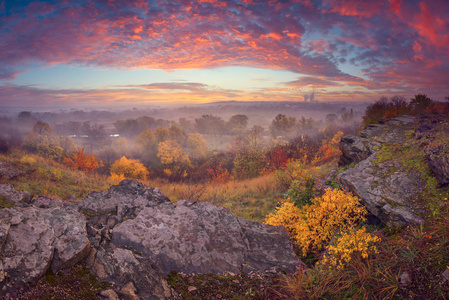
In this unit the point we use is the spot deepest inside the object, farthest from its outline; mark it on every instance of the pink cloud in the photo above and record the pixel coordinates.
(396, 42)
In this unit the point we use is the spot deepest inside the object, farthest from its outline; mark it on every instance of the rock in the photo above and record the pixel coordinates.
(202, 238)
(121, 267)
(37, 239)
(6, 171)
(191, 288)
(438, 160)
(44, 202)
(138, 237)
(387, 189)
(129, 292)
(13, 196)
(355, 149)
(445, 276)
(126, 199)
(404, 279)
(152, 236)
(392, 131)
(110, 294)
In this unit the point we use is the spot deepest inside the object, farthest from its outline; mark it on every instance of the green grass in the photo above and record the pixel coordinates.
(4, 203)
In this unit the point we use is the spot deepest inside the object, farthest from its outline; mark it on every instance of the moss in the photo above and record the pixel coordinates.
(134, 251)
(90, 213)
(4, 203)
(78, 283)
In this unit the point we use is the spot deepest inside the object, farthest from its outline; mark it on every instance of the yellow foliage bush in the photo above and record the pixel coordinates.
(117, 177)
(27, 160)
(350, 243)
(287, 215)
(318, 222)
(129, 168)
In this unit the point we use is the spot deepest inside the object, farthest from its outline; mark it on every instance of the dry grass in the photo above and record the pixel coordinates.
(250, 199)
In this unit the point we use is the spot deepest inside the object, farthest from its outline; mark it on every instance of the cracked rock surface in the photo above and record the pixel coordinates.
(34, 239)
(139, 236)
(386, 188)
(133, 238)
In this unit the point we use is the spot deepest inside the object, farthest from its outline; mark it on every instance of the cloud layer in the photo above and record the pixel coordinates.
(378, 46)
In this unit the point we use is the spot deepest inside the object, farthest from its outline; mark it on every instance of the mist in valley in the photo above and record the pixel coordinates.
(184, 142)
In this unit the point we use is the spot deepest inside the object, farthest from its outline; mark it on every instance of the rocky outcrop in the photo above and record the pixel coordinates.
(35, 239)
(355, 149)
(152, 234)
(438, 159)
(133, 237)
(201, 238)
(385, 187)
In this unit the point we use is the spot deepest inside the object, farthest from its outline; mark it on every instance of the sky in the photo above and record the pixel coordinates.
(109, 53)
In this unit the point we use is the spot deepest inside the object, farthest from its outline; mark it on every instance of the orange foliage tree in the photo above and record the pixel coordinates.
(83, 161)
(128, 168)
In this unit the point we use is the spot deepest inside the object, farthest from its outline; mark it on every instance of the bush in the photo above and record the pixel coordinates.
(386, 108)
(352, 242)
(302, 190)
(83, 161)
(317, 223)
(129, 168)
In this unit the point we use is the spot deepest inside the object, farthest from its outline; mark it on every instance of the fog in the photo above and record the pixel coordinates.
(225, 126)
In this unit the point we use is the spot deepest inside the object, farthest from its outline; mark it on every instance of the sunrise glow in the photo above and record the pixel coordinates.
(102, 53)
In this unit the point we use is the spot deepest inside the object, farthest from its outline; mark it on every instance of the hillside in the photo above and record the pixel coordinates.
(398, 169)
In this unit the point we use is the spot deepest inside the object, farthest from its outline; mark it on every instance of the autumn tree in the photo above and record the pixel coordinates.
(237, 124)
(197, 147)
(420, 103)
(174, 159)
(83, 161)
(161, 134)
(209, 124)
(283, 126)
(385, 108)
(249, 163)
(95, 135)
(42, 128)
(176, 134)
(45, 143)
(129, 168)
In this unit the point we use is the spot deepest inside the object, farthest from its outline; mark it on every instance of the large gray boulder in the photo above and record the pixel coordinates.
(34, 239)
(202, 238)
(136, 245)
(386, 188)
(133, 237)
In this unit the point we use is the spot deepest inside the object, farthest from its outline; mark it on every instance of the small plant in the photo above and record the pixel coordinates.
(302, 190)
(193, 193)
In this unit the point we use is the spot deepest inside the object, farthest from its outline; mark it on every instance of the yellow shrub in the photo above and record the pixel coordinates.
(27, 160)
(335, 209)
(287, 215)
(350, 243)
(130, 168)
(117, 177)
(312, 226)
